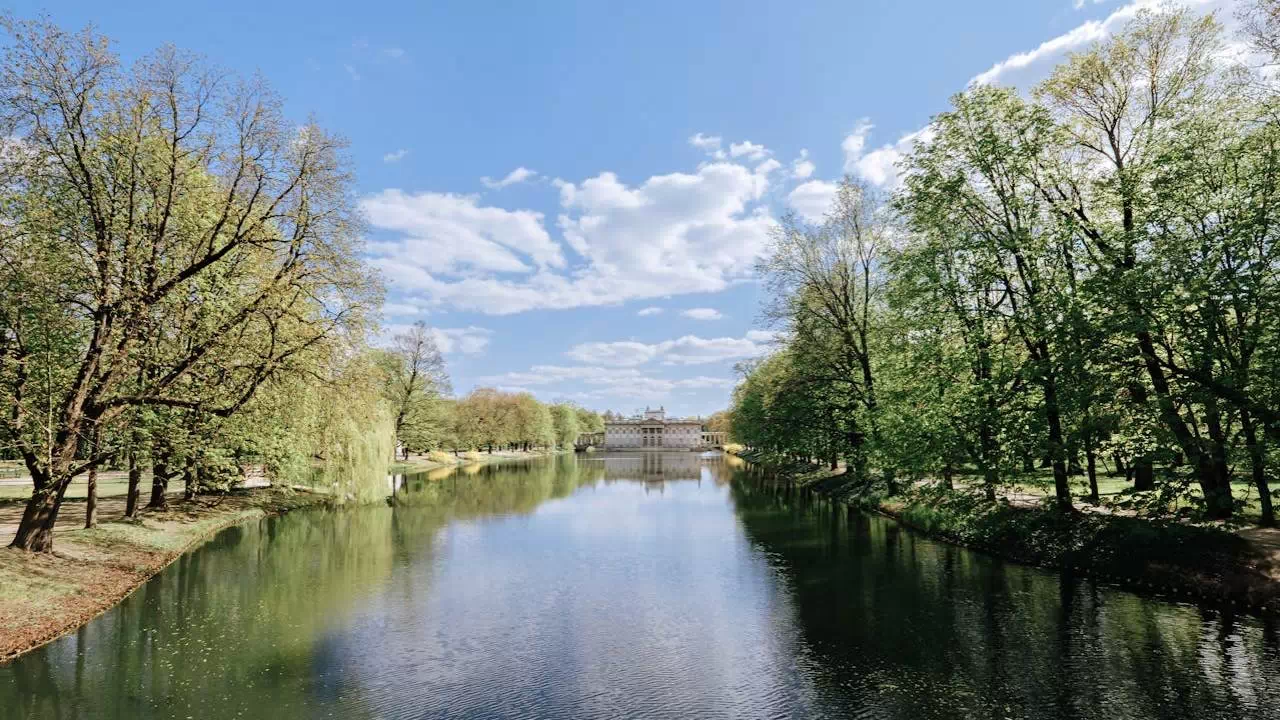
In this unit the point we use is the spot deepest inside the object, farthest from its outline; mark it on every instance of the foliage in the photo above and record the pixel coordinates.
(1088, 274)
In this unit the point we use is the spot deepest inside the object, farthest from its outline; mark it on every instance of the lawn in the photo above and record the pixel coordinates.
(1039, 482)
(77, 491)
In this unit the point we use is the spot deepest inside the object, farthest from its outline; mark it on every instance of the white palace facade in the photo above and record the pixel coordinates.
(653, 431)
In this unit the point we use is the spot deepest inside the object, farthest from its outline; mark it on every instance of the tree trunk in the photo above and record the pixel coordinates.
(189, 478)
(1212, 470)
(135, 482)
(91, 499)
(91, 489)
(1057, 447)
(1144, 474)
(1091, 467)
(891, 482)
(947, 472)
(990, 471)
(35, 530)
(159, 486)
(1258, 463)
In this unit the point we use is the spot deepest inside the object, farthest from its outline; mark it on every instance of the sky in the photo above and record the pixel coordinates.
(572, 194)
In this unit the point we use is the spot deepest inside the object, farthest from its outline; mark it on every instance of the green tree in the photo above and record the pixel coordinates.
(564, 418)
(172, 242)
(416, 382)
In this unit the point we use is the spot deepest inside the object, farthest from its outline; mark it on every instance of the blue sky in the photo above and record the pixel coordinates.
(573, 193)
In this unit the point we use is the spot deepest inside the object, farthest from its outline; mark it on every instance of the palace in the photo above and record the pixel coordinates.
(654, 431)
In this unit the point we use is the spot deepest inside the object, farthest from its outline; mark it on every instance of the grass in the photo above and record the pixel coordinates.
(44, 595)
(78, 489)
(1039, 483)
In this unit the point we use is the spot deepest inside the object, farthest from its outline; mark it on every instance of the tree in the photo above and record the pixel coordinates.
(564, 419)
(416, 381)
(972, 188)
(170, 241)
(1119, 101)
(589, 422)
(824, 286)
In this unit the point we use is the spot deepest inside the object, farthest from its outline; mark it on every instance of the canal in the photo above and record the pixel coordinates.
(631, 586)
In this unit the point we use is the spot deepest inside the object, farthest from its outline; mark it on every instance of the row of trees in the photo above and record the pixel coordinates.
(1089, 274)
(489, 419)
(426, 418)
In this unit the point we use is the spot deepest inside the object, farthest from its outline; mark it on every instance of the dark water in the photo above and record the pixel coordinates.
(665, 586)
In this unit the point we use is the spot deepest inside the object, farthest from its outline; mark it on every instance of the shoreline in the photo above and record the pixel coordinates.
(435, 461)
(45, 596)
(1168, 560)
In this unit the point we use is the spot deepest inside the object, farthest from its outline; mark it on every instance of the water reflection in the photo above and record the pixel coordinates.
(905, 627)
(646, 584)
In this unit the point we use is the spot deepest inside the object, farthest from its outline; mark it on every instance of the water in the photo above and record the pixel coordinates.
(659, 585)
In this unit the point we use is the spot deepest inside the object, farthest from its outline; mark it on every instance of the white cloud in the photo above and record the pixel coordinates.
(854, 143)
(672, 234)
(687, 350)
(614, 354)
(602, 382)
(749, 150)
(709, 144)
(702, 314)
(444, 232)
(693, 350)
(394, 53)
(767, 166)
(514, 177)
(1026, 68)
(351, 71)
(470, 340)
(812, 199)
(627, 378)
(395, 308)
(393, 157)
(802, 167)
(878, 167)
(646, 312)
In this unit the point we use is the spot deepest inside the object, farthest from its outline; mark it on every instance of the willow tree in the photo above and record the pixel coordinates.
(170, 240)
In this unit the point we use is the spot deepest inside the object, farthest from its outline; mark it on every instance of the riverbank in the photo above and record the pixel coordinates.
(439, 459)
(1198, 563)
(46, 595)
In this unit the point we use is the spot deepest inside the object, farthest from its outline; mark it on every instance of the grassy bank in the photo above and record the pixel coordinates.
(1202, 563)
(439, 459)
(46, 595)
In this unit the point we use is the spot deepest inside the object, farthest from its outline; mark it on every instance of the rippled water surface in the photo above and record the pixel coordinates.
(619, 586)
